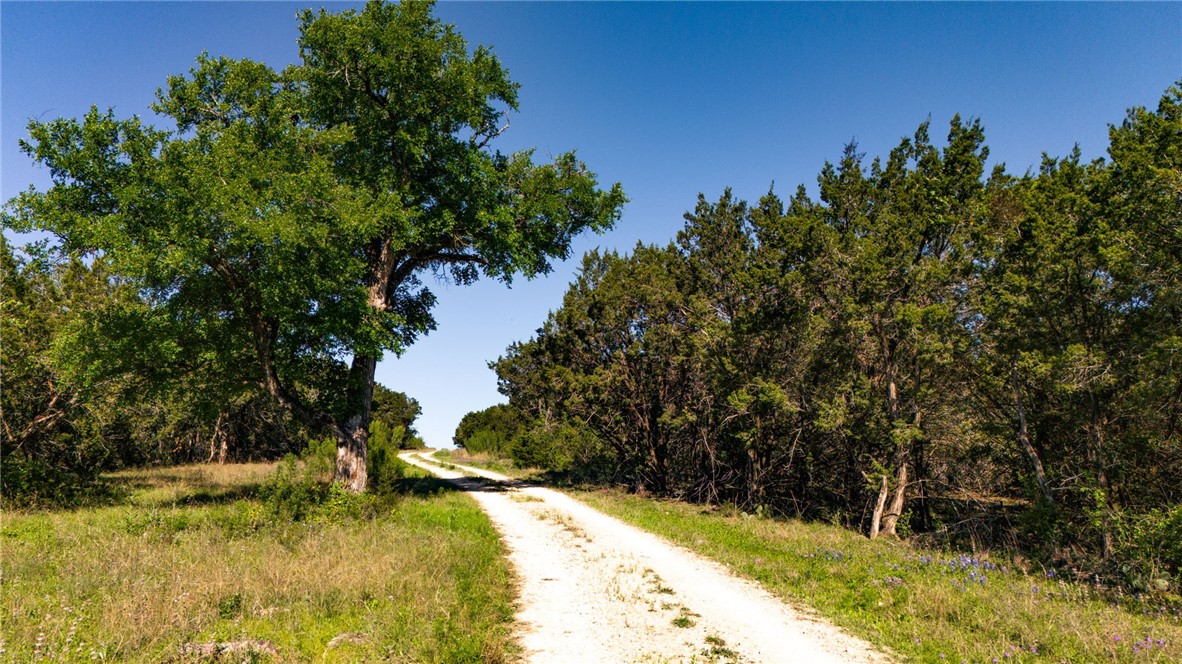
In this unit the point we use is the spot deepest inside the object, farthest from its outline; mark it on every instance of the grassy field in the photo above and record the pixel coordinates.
(202, 555)
(927, 606)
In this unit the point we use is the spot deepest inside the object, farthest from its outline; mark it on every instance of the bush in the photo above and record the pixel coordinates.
(1149, 549)
(562, 447)
(300, 489)
(485, 442)
(320, 458)
(292, 493)
(383, 464)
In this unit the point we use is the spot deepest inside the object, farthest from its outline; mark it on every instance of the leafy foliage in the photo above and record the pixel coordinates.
(490, 430)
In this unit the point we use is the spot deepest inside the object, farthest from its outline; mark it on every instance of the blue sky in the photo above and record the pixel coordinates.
(671, 99)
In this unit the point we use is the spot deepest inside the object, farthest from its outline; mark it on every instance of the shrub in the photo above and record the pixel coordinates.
(292, 493)
(1149, 549)
(384, 466)
(564, 447)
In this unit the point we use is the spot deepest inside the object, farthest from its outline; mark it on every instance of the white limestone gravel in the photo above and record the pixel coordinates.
(594, 589)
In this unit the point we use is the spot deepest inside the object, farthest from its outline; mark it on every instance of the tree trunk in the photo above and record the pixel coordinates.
(891, 517)
(219, 440)
(353, 442)
(922, 470)
(1024, 441)
(879, 506)
(219, 443)
(353, 435)
(1096, 451)
(752, 470)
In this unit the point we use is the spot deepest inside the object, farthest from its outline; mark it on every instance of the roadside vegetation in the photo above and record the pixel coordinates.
(485, 460)
(927, 605)
(262, 561)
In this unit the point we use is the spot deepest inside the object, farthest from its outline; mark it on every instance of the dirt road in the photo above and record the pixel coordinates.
(594, 589)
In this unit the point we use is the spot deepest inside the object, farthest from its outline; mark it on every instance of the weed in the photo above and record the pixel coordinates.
(717, 650)
(685, 618)
(230, 606)
(656, 584)
(566, 522)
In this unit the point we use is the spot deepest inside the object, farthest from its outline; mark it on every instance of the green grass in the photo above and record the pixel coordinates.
(926, 606)
(198, 555)
(486, 461)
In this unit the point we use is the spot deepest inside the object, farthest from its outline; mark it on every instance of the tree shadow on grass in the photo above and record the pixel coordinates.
(193, 490)
(420, 486)
(425, 486)
(221, 496)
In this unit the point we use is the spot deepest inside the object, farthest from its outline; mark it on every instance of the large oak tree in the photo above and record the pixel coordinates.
(289, 218)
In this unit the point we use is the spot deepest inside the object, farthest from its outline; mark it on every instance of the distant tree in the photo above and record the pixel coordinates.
(281, 230)
(396, 412)
(490, 430)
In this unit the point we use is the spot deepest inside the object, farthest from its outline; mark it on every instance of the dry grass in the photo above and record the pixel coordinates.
(194, 557)
(192, 483)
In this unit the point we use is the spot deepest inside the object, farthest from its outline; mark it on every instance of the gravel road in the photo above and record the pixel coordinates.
(594, 589)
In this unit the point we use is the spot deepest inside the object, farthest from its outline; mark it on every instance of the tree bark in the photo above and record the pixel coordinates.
(922, 470)
(386, 273)
(353, 442)
(879, 506)
(1096, 451)
(1024, 441)
(891, 517)
(219, 447)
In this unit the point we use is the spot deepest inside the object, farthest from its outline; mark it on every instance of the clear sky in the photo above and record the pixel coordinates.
(671, 99)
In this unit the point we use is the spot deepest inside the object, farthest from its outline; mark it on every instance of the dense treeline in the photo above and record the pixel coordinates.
(62, 429)
(926, 348)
